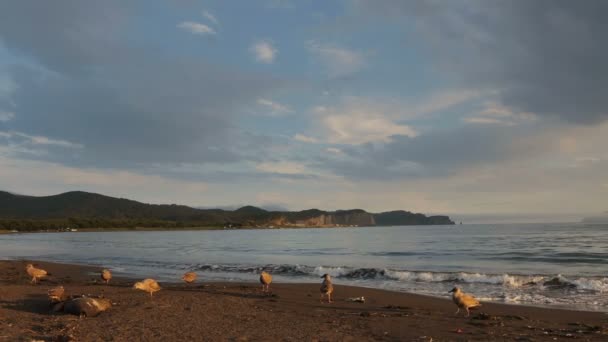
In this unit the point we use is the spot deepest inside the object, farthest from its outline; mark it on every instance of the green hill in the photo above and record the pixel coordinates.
(79, 209)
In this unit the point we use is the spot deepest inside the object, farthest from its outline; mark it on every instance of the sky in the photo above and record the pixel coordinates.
(471, 108)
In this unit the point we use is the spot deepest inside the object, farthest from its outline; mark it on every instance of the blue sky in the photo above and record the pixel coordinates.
(465, 107)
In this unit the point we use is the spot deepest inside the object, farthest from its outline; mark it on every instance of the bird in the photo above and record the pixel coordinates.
(106, 275)
(265, 279)
(56, 294)
(147, 285)
(463, 300)
(189, 277)
(35, 273)
(84, 306)
(327, 288)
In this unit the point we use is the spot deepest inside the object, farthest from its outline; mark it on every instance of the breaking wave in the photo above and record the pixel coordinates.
(598, 284)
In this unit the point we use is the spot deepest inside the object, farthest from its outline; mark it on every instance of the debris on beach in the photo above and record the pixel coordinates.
(356, 299)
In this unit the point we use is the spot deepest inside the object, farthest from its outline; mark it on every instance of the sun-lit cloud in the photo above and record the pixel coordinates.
(196, 28)
(264, 51)
(22, 138)
(283, 167)
(354, 121)
(211, 17)
(274, 108)
(337, 61)
(305, 138)
(6, 116)
(497, 114)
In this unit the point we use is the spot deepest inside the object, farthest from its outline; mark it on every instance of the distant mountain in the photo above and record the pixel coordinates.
(79, 209)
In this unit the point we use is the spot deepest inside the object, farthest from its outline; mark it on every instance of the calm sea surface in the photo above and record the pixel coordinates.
(537, 264)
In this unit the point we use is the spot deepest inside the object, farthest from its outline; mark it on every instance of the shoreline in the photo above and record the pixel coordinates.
(239, 311)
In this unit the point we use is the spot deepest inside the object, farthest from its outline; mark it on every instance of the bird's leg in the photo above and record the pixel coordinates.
(468, 313)
(321, 298)
(457, 311)
(329, 298)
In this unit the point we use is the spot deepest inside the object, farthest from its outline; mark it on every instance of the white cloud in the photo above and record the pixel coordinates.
(337, 61)
(305, 138)
(196, 28)
(38, 140)
(483, 120)
(264, 51)
(276, 109)
(44, 178)
(497, 114)
(212, 18)
(356, 122)
(284, 167)
(361, 127)
(6, 116)
(333, 150)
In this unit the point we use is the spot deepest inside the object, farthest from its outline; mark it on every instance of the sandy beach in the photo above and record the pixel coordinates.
(240, 312)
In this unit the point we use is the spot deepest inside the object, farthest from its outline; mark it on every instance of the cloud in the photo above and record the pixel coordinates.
(127, 104)
(356, 121)
(212, 18)
(544, 57)
(196, 28)
(264, 51)
(305, 138)
(360, 127)
(283, 167)
(333, 150)
(276, 109)
(497, 114)
(44, 178)
(6, 116)
(337, 61)
(41, 140)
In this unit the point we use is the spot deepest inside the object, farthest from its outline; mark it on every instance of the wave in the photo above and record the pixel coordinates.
(349, 273)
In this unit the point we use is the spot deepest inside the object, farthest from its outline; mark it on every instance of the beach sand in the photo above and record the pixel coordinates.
(207, 311)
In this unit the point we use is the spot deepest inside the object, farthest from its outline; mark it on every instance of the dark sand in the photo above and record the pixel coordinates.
(240, 312)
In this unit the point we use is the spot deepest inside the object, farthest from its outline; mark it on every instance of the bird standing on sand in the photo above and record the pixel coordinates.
(106, 275)
(327, 288)
(463, 300)
(189, 277)
(35, 273)
(265, 279)
(147, 285)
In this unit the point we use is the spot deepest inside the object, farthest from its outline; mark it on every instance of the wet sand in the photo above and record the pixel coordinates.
(208, 311)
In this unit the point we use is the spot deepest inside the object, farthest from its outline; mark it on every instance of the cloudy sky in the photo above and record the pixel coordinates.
(464, 107)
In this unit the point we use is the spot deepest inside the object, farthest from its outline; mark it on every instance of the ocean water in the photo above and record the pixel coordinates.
(559, 265)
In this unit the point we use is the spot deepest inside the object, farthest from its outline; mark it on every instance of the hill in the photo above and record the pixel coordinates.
(79, 209)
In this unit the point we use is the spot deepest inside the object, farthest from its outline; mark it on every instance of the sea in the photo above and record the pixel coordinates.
(551, 265)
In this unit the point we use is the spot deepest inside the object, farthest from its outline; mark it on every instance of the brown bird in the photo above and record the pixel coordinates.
(147, 285)
(327, 288)
(84, 306)
(189, 277)
(265, 279)
(463, 300)
(106, 275)
(35, 273)
(56, 294)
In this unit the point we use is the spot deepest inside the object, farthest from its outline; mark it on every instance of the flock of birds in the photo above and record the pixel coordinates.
(79, 305)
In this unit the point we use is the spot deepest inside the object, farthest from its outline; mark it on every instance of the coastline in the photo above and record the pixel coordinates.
(239, 311)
